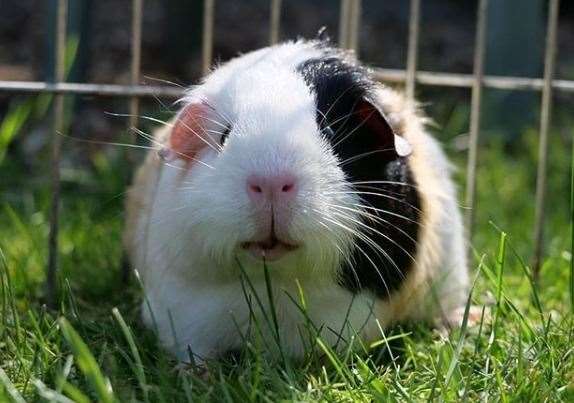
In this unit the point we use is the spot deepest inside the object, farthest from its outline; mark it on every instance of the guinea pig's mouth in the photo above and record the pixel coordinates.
(269, 249)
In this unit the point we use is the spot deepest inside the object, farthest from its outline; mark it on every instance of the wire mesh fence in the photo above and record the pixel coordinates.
(349, 24)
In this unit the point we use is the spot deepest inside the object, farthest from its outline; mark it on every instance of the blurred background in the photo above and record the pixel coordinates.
(98, 51)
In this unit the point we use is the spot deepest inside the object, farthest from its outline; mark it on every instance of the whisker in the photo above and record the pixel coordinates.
(339, 97)
(378, 250)
(214, 132)
(357, 192)
(389, 195)
(375, 218)
(381, 190)
(148, 118)
(218, 112)
(368, 227)
(161, 80)
(163, 105)
(145, 135)
(324, 257)
(346, 116)
(362, 251)
(362, 155)
(359, 125)
(370, 207)
(185, 156)
(346, 256)
(217, 150)
(218, 123)
(109, 143)
(383, 183)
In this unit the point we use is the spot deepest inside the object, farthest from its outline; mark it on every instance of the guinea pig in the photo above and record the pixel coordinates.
(292, 185)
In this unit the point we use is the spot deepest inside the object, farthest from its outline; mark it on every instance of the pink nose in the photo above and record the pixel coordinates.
(275, 189)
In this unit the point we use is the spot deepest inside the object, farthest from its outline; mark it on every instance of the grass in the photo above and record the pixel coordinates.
(93, 347)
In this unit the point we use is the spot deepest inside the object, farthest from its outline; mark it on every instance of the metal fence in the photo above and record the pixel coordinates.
(349, 23)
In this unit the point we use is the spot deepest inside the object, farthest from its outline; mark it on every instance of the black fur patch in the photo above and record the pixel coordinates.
(381, 263)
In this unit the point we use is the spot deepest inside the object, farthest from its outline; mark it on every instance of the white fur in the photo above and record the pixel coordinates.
(185, 225)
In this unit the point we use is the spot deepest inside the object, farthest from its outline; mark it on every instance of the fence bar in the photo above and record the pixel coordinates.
(208, 16)
(391, 76)
(414, 18)
(354, 25)
(134, 105)
(466, 80)
(274, 21)
(112, 90)
(344, 23)
(475, 109)
(58, 127)
(136, 46)
(545, 112)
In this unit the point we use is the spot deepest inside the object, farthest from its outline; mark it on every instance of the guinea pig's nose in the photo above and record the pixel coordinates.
(277, 188)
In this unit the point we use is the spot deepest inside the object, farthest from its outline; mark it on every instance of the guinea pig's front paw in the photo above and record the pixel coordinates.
(198, 370)
(454, 319)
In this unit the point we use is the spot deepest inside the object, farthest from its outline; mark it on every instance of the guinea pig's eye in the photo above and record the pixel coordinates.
(328, 132)
(224, 136)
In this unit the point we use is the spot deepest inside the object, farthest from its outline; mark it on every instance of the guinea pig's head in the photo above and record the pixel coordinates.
(270, 152)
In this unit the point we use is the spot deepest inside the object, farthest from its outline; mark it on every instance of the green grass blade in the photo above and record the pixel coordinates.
(12, 123)
(500, 260)
(87, 363)
(271, 298)
(387, 339)
(76, 394)
(52, 395)
(463, 330)
(343, 371)
(139, 368)
(10, 388)
(572, 231)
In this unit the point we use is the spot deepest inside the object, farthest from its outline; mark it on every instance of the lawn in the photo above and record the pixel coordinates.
(93, 347)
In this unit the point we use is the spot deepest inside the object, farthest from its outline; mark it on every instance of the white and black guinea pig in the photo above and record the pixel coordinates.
(290, 166)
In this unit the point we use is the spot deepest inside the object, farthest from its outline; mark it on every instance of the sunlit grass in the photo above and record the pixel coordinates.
(94, 346)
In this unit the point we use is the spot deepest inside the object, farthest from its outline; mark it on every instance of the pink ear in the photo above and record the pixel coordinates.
(374, 119)
(189, 134)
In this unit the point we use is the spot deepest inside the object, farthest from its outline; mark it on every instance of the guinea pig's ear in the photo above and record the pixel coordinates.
(190, 133)
(323, 35)
(374, 119)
